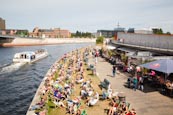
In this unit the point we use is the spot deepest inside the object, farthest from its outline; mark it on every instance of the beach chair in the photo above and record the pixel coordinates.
(127, 105)
(104, 84)
(93, 100)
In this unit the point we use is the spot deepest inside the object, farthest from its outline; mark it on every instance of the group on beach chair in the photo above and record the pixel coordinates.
(93, 100)
(119, 107)
(38, 105)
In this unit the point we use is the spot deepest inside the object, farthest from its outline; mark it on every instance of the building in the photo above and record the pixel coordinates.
(14, 32)
(118, 29)
(142, 47)
(148, 42)
(143, 31)
(106, 33)
(50, 33)
(2, 24)
(131, 30)
(109, 33)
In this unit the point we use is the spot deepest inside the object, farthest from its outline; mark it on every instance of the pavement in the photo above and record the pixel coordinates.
(145, 103)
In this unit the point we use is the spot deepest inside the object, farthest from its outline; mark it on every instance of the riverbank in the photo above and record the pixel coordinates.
(45, 41)
(72, 63)
(36, 98)
(52, 73)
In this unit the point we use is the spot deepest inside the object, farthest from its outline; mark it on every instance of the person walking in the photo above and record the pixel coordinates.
(113, 70)
(141, 83)
(135, 83)
(96, 55)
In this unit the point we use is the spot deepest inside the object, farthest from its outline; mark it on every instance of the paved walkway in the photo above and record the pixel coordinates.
(151, 103)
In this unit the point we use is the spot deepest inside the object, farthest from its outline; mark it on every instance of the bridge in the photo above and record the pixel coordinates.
(6, 39)
(7, 36)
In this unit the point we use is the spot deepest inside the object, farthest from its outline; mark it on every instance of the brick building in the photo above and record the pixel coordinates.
(50, 33)
(2, 24)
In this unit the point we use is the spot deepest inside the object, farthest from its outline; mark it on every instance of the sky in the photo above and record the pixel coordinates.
(87, 15)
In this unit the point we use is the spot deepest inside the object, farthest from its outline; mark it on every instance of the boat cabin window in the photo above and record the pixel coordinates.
(21, 56)
(24, 56)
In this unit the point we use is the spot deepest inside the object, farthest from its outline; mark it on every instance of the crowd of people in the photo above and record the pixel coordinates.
(60, 81)
(60, 86)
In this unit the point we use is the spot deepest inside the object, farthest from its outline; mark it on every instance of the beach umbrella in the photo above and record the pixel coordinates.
(163, 65)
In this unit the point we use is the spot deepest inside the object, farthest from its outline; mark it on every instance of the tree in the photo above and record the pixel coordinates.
(158, 31)
(99, 40)
(73, 35)
(22, 33)
(82, 34)
(168, 33)
(78, 34)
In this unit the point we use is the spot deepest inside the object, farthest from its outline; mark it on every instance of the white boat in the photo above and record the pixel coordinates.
(30, 56)
(22, 58)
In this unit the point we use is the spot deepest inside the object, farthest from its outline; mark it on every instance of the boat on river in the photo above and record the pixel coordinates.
(22, 58)
(30, 56)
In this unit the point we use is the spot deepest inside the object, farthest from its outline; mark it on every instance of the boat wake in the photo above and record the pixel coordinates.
(4, 65)
(11, 67)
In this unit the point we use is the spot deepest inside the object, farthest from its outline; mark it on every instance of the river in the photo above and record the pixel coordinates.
(17, 88)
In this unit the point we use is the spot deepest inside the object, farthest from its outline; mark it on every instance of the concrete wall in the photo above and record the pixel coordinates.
(46, 41)
(147, 40)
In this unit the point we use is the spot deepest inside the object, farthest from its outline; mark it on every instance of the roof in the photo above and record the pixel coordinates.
(28, 53)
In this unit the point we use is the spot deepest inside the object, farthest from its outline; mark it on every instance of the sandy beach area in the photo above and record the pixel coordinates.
(46, 41)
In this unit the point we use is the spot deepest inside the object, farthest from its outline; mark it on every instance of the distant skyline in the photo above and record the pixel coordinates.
(87, 15)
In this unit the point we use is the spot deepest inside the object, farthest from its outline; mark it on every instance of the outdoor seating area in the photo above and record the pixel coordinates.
(155, 75)
(118, 105)
(70, 88)
(146, 82)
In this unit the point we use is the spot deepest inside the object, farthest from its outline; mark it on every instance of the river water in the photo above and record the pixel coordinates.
(17, 88)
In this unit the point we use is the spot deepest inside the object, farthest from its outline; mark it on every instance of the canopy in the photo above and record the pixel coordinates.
(164, 65)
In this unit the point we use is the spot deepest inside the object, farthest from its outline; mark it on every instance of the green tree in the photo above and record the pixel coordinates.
(73, 35)
(82, 34)
(22, 33)
(99, 40)
(168, 33)
(158, 31)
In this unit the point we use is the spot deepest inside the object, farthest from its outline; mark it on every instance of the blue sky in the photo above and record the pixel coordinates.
(87, 15)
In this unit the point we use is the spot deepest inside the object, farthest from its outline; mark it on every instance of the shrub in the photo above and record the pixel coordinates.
(99, 40)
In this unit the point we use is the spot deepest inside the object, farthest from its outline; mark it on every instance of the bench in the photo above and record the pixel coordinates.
(104, 84)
